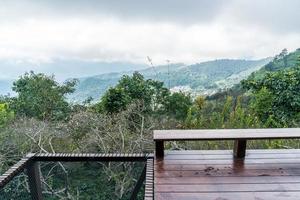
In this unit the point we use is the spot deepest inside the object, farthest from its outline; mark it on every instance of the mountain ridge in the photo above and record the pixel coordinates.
(200, 78)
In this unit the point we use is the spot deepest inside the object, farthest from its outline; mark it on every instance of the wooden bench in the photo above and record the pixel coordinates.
(240, 136)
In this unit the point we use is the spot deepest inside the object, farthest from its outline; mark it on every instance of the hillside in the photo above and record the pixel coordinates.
(62, 69)
(201, 78)
(280, 62)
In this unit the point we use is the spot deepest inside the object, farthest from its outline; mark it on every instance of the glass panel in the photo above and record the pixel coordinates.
(79, 180)
(90, 180)
(16, 189)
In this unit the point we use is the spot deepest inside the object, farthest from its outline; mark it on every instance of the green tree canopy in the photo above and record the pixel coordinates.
(178, 105)
(6, 114)
(135, 88)
(40, 96)
(114, 100)
(277, 95)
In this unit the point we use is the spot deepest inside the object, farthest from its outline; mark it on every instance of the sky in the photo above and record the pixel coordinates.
(38, 34)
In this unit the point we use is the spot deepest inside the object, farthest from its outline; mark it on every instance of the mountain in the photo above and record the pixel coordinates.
(280, 62)
(61, 68)
(201, 78)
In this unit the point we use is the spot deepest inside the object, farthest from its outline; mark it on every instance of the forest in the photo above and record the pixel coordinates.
(41, 119)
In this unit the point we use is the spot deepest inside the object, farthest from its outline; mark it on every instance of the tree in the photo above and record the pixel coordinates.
(298, 60)
(134, 88)
(283, 55)
(200, 102)
(262, 103)
(6, 114)
(114, 100)
(277, 96)
(40, 96)
(282, 60)
(241, 117)
(178, 105)
(106, 133)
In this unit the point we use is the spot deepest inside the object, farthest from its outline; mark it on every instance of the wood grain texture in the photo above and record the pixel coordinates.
(215, 175)
(15, 170)
(149, 183)
(85, 157)
(226, 134)
(230, 196)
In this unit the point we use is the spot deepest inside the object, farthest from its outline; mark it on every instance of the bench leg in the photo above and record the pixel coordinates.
(240, 149)
(159, 149)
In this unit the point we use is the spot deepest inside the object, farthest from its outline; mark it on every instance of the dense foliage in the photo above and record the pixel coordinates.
(277, 95)
(41, 96)
(6, 115)
(177, 105)
(152, 95)
(134, 88)
(276, 98)
(281, 61)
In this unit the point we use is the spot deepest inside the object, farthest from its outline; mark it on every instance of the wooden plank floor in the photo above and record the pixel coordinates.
(214, 175)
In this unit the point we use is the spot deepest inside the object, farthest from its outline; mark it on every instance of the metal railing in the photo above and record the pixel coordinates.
(29, 165)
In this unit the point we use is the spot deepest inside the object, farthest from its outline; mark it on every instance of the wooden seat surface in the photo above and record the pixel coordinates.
(226, 134)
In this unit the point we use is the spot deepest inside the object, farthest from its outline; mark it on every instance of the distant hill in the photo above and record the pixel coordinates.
(201, 78)
(64, 68)
(280, 62)
(61, 68)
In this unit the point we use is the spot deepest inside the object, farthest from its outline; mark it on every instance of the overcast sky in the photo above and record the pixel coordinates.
(41, 31)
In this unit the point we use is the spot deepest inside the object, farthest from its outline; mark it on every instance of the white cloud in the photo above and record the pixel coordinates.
(41, 32)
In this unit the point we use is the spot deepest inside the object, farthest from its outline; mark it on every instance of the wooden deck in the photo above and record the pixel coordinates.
(215, 175)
